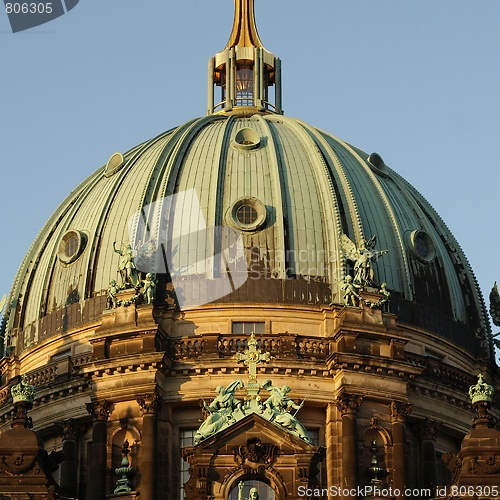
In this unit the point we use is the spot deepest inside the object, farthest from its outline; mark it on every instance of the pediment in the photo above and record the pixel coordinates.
(251, 426)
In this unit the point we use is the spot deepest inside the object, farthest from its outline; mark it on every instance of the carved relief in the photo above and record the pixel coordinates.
(18, 464)
(255, 457)
(485, 467)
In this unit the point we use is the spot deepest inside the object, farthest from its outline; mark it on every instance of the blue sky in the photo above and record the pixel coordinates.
(417, 82)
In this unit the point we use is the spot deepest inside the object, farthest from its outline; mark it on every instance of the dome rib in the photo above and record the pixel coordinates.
(331, 226)
(277, 183)
(400, 255)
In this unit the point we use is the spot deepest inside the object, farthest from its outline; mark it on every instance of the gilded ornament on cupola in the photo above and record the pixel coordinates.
(244, 71)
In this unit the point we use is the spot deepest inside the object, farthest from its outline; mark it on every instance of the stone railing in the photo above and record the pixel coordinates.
(281, 345)
(42, 376)
(437, 370)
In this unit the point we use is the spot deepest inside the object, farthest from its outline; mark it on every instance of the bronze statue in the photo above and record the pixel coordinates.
(363, 255)
(127, 267)
(278, 406)
(221, 411)
(149, 291)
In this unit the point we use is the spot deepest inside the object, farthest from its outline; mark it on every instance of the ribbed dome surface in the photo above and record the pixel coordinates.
(314, 188)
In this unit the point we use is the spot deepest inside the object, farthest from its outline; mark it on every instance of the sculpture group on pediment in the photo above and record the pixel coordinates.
(278, 406)
(226, 410)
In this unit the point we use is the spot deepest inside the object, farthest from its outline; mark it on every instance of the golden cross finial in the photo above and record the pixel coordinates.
(252, 357)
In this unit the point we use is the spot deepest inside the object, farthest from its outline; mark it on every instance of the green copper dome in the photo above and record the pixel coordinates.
(290, 190)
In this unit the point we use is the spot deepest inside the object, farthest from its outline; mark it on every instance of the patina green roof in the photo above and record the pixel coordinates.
(314, 187)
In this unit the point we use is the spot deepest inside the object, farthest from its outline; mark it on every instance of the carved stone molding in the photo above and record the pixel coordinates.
(150, 404)
(100, 410)
(428, 429)
(400, 410)
(348, 403)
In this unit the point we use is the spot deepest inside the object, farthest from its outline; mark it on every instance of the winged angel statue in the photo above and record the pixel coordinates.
(495, 311)
(363, 255)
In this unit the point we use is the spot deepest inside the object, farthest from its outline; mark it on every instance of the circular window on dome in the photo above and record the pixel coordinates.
(247, 214)
(421, 246)
(246, 138)
(115, 163)
(71, 246)
(377, 164)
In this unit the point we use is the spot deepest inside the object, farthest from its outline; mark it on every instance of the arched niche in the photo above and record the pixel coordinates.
(270, 481)
(367, 437)
(263, 489)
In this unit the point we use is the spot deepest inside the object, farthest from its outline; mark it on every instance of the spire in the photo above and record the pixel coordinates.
(245, 71)
(244, 32)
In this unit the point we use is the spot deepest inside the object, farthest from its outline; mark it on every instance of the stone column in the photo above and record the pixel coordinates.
(150, 405)
(331, 455)
(70, 432)
(348, 405)
(96, 479)
(399, 412)
(428, 432)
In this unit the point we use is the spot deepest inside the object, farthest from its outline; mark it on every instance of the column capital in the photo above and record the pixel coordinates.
(428, 429)
(150, 404)
(400, 410)
(348, 403)
(100, 410)
(70, 429)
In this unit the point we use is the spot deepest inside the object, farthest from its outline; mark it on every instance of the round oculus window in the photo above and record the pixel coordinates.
(246, 138)
(71, 246)
(114, 164)
(247, 214)
(421, 246)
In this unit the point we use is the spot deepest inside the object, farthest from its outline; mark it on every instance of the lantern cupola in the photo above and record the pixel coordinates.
(244, 71)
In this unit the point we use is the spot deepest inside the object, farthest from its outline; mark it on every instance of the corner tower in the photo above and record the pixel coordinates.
(245, 71)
